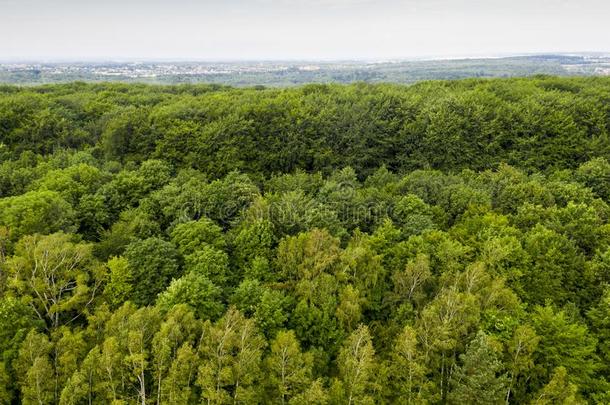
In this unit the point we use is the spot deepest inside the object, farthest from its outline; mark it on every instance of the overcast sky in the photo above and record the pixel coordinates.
(297, 29)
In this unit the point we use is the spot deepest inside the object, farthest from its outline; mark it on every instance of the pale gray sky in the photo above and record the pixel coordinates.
(297, 29)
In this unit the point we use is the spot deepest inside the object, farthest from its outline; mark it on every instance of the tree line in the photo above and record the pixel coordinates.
(536, 124)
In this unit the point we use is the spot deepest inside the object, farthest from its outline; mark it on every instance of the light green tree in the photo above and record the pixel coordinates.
(230, 369)
(407, 371)
(34, 371)
(288, 370)
(558, 391)
(356, 363)
(59, 278)
(521, 350)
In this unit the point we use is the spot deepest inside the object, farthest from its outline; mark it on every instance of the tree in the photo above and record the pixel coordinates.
(307, 255)
(478, 380)
(5, 383)
(409, 282)
(177, 387)
(119, 287)
(69, 350)
(41, 212)
(231, 353)
(123, 192)
(196, 291)
(363, 268)
(38, 388)
(141, 327)
(35, 374)
(599, 317)
(85, 383)
(126, 134)
(272, 311)
(193, 235)
(314, 395)
(294, 212)
(596, 175)
(211, 263)
(73, 182)
(138, 265)
(407, 370)
(17, 318)
(356, 363)
(563, 343)
(558, 391)
(442, 327)
(224, 199)
(349, 312)
(414, 215)
(247, 363)
(156, 173)
(521, 349)
(171, 346)
(59, 278)
(253, 241)
(581, 223)
(288, 369)
(111, 368)
(152, 256)
(314, 315)
(133, 224)
(556, 267)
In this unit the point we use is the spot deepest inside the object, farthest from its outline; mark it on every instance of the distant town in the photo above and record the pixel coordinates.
(295, 72)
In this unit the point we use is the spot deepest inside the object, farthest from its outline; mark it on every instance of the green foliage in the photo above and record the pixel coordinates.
(126, 134)
(132, 224)
(153, 263)
(596, 175)
(478, 379)
(35, 374)
(356, 363)
(289, 369)
(36, 212)
(120, 284)
(231, 361)
(414, 215)
(446, 242)
(407, 371)
(558, 391)
(564, 343)
(196, 291)
(253, 243)
(211, 263)
(556, 266)
(192, 236)
(60, 279)
(5, 394)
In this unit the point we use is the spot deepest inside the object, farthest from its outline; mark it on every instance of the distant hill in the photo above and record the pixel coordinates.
(300, 72)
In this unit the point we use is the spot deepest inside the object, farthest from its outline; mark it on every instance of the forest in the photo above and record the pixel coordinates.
(446, 242)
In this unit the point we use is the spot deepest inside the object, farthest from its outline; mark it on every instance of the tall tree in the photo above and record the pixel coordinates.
(479, 378)
(288, 369)
(558, 391)
(58, 277)
(356, 363)
(407, 371)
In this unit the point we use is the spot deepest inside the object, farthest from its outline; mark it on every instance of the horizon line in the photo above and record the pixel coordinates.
(389, 59)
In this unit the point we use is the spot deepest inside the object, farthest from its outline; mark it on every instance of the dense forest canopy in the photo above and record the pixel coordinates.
(446, 242)
(545, 123)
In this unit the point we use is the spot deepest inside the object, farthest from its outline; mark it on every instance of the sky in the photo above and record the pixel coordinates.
(230, 30)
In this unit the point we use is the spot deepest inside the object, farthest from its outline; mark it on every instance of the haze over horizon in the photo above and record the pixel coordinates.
(233, 30)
